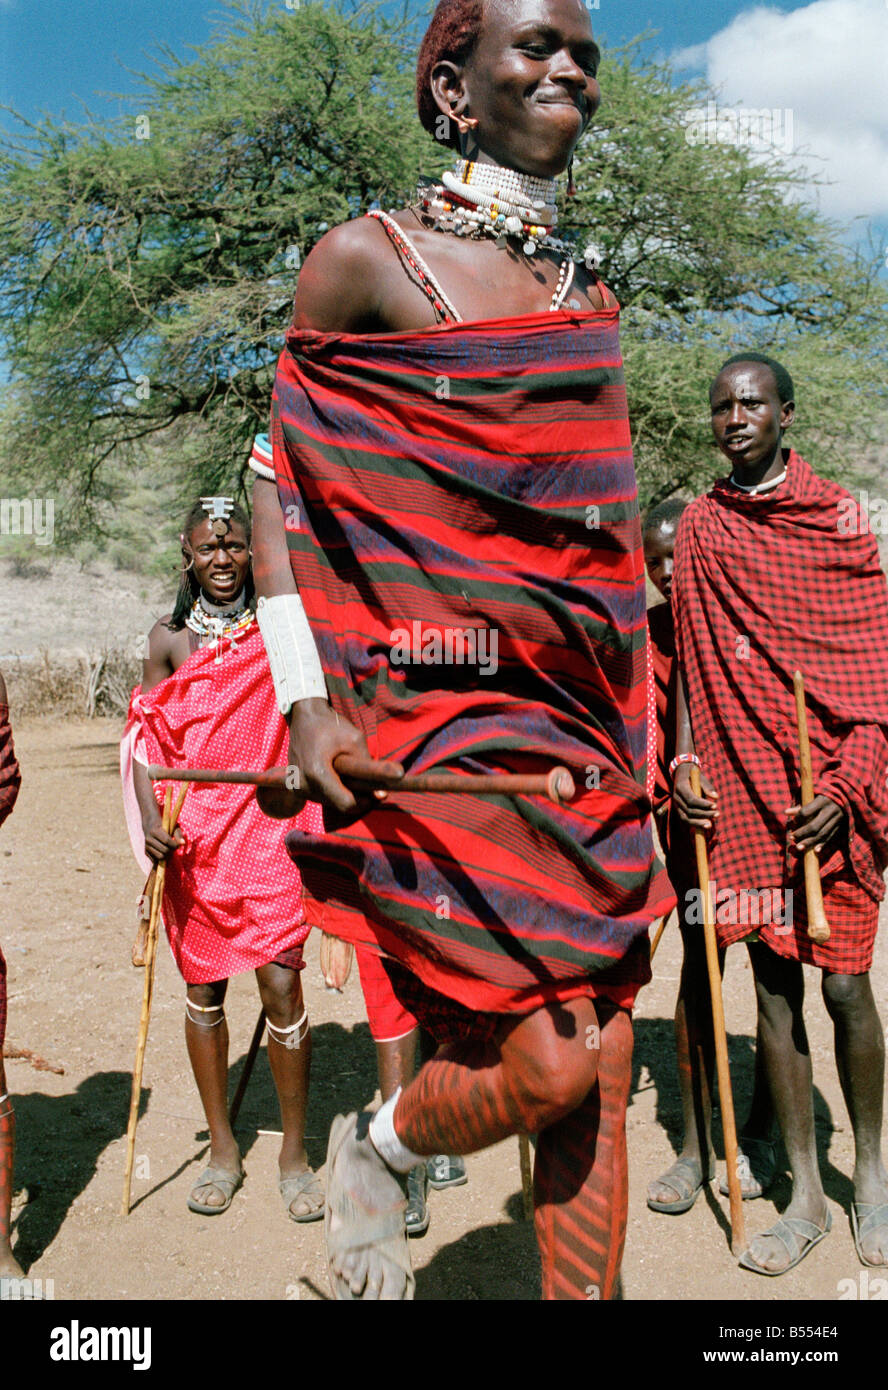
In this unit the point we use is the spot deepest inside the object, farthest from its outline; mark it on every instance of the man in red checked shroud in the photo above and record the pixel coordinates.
(450, 437)
(776, 571)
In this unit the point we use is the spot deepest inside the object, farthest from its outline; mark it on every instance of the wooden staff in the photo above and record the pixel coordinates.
(557, 784)
(140, 945)
(657, 935)
(169, 821)
(726, 1095)
(818, 926)
(526, 1175)
(255, 1043)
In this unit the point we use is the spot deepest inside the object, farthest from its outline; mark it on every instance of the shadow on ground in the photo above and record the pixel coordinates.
(59, 1140)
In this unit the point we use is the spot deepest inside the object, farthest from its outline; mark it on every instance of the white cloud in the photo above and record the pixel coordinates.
(827, 63)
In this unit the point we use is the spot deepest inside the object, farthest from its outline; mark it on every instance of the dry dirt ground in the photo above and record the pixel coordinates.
(68, 886)
(101, 605)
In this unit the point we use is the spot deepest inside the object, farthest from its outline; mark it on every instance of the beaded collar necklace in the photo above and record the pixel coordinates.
(218, 621)
(479, 199)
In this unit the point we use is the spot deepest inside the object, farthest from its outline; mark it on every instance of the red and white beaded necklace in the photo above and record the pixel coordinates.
(482, 199)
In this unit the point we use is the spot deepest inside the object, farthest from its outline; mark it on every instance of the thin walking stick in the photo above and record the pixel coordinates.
(169, 821)
(141, 941)
(247, 1072)
(818, 926)
(657, 935)
(526, 1175)
(726, 1095)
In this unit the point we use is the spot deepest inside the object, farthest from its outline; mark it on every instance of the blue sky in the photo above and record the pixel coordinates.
(823, 61)
(54, 53)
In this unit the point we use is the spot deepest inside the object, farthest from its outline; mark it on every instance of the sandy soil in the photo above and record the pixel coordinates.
(69, 886)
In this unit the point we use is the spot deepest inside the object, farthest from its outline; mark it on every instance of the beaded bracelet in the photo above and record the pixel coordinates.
(682, 758)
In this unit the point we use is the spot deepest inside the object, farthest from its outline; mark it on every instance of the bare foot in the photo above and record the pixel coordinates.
(366, 1242)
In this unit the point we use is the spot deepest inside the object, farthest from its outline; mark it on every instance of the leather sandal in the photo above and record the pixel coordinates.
(685, 1177)
(350, 1225)
(797, 1236)
(307, 1185)
(221, 1178)
(867, 1217)
(756, 1168)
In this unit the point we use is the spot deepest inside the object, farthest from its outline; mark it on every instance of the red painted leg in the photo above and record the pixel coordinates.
(471, 1095)
(581, 1184)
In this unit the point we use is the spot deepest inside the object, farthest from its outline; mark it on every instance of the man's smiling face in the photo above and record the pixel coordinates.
(531, 82)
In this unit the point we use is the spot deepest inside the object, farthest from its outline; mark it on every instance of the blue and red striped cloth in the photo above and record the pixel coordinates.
(479, 478)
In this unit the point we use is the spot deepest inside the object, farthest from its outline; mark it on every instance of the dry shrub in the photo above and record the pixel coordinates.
(94, 685)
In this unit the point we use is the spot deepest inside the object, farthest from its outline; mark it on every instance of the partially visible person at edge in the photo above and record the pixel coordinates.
(232, 896)
(10, 781)
(776, 571)
(678, 1188)
(456, 502)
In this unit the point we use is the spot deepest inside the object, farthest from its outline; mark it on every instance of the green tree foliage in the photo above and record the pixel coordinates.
(149, 264)
(710, 250)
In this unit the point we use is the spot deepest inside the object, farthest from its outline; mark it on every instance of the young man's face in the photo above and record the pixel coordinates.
(221, 563)
(531, 82)
(659, 549)
(748, 417)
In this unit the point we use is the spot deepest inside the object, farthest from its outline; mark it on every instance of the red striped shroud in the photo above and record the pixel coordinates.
(479, 478)
(765, 585)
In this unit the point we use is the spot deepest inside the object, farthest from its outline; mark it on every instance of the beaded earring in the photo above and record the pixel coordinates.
(571, 186)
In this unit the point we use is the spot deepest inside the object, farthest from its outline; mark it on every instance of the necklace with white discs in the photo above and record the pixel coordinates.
(479, 199)
(215, 623)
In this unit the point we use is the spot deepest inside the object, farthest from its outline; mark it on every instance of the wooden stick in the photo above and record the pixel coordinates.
(526, 1175)
(255, 1043)
(140, 943)
(557, 785)
(657, 935)
(726, 1095)
(818, 926)
(169, 820)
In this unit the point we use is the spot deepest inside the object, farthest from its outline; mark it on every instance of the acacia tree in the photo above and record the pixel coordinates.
(149, 264)
(711, 249)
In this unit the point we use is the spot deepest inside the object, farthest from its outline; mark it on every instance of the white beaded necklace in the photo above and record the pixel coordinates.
(479, 199)
(217, 621)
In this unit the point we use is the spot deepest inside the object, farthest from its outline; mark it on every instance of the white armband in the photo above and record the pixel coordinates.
(262, 458)
(292, 655)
